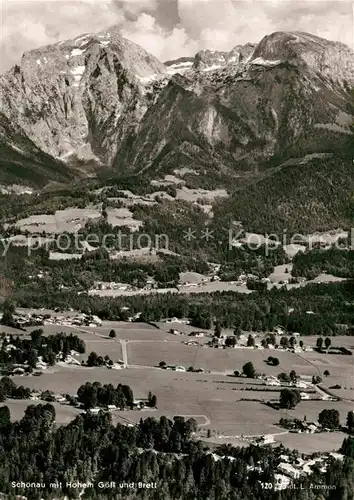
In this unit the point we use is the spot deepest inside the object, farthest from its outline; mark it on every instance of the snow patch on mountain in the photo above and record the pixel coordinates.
(148, 79)
(77, 52)
(265, 62)
(212, 68)
(180, 67)
(77, 72)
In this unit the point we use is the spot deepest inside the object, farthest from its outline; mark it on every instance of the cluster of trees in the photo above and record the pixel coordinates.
(327, 343)
(93, 395)
(80, 274)
(272, 361)
(8, 389)
(288, 377)
(350, 421)
(336, 261)
(329, 419)
(248, 260)
(28, 350)
(249, 370)
(91, 448)
(95, 360)
(269, 340)
(289, 343)
(289, 398)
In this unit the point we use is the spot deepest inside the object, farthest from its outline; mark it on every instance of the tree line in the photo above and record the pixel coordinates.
(319, 309)
(92, 449)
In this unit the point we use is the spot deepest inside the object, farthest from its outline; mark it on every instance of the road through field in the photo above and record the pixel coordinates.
(123, 343)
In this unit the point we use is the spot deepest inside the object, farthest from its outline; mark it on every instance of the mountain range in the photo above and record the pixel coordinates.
(240, 118)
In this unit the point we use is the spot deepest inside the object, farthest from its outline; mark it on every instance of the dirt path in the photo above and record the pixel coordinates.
(123, 343)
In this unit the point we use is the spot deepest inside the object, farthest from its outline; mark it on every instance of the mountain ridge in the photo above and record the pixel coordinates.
(101, 99)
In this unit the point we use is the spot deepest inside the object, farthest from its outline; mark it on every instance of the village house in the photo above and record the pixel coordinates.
(94, 411)
(173, 331)
(264, 440)
(59, 398)
(279, 330)
(289, 470)
(196, 334)
(272, 381)
(18, 371)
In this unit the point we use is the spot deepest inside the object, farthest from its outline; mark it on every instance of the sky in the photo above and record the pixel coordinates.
(168, 29)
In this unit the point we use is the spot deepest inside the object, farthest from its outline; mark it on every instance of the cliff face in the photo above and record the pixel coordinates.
(69, 98)
(104, 99)
(278, 102)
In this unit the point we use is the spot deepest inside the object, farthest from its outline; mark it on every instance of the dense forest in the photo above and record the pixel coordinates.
(297, 196)
(336, 261)
(318, 309)
(90, 449)
(25, 267)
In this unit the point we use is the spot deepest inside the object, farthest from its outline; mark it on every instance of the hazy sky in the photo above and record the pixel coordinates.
(168, 28)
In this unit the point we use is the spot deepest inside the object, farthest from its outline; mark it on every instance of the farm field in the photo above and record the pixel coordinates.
(229, 407)
(124, 331)
(101, 346)
(346, 383)
(64, 413)
(220, 360)
(183, 328)
(312, 443)
(72, 219)
(130, 331)
(340, 340)
(312, 408)
(177, 393)
(340, 367)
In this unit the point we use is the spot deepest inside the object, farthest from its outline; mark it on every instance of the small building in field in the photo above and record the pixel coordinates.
(94, 411)
(18, 371)
(273, 382)
(304, 395)
(196, 334)
(59, 398)
(266, 439)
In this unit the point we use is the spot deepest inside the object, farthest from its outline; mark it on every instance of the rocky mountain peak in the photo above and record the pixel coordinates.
(209, 60)
(332, 59)
(102, 99)
(61, 92)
